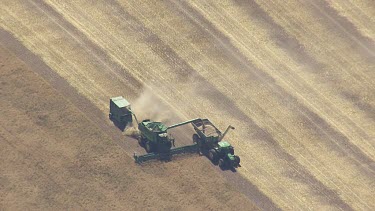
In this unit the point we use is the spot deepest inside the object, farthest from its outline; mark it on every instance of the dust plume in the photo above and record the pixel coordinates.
(149, 106)
(132, 131)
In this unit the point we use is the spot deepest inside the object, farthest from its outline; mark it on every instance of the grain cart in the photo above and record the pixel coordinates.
(209, 141)
(120, 112)
(158, 143)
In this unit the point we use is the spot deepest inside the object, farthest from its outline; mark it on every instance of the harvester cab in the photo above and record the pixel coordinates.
(120, 112)
(158, 143)
(154, 137)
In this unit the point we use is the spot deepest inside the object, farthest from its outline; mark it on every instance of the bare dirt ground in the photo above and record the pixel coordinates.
(296, 79)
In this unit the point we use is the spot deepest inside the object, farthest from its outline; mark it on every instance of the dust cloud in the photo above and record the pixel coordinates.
(149, 106)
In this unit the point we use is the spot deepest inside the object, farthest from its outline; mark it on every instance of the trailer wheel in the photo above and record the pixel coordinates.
(140, 141)
(196, 138)
(149, 147)
(212, 154)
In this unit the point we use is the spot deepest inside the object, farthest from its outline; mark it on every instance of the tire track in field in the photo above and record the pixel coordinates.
(49, 51)
(301, 87)
(366, 139)
(90, 110)
(282, 93)
(60, 84)
(229, 107)
(170, 64)
(300, 27)
(287, 42)
(98, 52)
(317, 38)
(290, 44)
(356, 12)
(322, 7)
(135, 58)
(238, 117)
(32, 161)
(298, 52)
(364, 88)
(255, 10)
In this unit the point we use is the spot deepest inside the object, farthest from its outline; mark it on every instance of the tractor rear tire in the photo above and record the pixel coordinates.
(149, 147)
(221, 163)
(238, 160)
(212, 154)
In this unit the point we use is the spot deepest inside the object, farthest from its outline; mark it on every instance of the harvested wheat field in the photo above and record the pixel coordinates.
(296, 79)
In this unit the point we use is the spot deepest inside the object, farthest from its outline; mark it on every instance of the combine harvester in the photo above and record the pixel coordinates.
(154, 137)
(158, 143)
(151, 135)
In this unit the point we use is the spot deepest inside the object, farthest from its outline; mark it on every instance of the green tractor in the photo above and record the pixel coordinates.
(120, 112)
(209, 141)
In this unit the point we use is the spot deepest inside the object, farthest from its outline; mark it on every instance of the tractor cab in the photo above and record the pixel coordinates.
(228, 159)
(226, 148)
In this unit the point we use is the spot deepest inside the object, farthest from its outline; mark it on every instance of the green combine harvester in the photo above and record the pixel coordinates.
(154, 137)
(158, 143)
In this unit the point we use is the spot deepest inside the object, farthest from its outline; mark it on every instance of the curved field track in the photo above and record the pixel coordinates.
(296, 79)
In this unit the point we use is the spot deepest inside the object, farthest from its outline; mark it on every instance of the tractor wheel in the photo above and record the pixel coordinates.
(212, 154)
(110, 116)
(221, 163)
(148, 147)
(238, 160)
